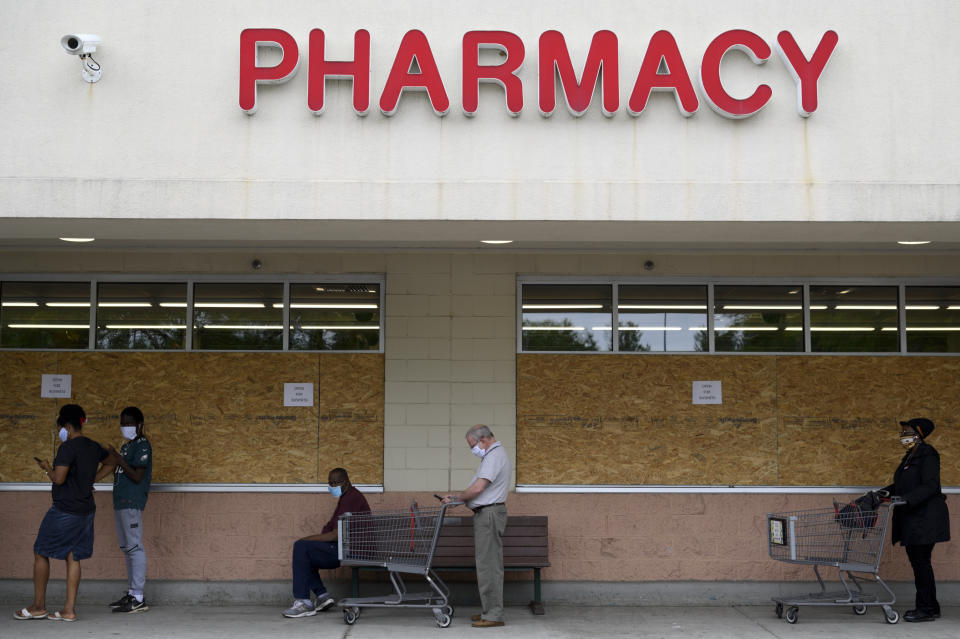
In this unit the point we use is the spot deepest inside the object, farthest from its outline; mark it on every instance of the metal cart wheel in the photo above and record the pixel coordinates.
(447, 610)
(891, 616)
(860, 610)
(779, 610)
(444, 620)
(350, 615)
(793, 614)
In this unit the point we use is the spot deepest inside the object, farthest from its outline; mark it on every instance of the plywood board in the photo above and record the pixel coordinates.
(211, 417)
(839, 416)
(351, 398)
(631, 420)
(27, 422)
(785, 420)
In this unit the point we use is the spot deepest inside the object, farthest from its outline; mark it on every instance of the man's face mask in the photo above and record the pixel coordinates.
(336, 491)
(909, 440)
(128, 432)
(479, 452)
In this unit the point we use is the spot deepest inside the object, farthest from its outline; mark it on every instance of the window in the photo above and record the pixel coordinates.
(143, 315)
(853, 319)
(340, 313)
(758, 318)
(674, 317)
(567, 317)
(44, 314)
(238, 316)
(335, 317)
(662, 318)
(933, 319)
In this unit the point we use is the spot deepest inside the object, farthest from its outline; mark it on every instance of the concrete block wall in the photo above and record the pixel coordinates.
(450, 364)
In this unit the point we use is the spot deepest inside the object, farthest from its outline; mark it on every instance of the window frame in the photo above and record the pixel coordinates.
(94, 279)
(902, 284)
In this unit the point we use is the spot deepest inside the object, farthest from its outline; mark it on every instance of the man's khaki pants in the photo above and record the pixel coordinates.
(488, 526)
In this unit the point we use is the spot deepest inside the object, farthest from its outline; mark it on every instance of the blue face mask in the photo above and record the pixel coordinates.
(336, 491)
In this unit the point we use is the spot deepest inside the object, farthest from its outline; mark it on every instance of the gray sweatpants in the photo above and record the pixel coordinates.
(488, 526)
(129, 523)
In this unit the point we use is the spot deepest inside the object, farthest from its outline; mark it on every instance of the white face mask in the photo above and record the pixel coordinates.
(908, 441)
(128, 432)
(479, 452)
(62, 433)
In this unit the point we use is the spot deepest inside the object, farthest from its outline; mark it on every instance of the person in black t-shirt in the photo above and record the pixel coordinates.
(66, 531)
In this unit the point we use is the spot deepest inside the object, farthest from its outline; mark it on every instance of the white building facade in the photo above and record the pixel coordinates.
(679, 143)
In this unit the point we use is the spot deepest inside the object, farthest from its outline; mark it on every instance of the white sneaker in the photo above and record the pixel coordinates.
(300, 608)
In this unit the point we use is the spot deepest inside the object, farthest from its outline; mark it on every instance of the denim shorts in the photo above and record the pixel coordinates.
(62, 533)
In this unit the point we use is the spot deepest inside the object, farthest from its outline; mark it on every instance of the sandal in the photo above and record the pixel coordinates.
(25, 614)
(58, 617)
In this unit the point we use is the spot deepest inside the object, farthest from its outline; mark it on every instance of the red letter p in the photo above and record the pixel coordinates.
(251, 75)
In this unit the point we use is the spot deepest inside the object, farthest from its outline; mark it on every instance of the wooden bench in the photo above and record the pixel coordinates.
(524, 548)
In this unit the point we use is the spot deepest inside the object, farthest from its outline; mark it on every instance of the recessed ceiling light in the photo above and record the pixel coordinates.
(913, 242)
(77, 239)
(497, 241)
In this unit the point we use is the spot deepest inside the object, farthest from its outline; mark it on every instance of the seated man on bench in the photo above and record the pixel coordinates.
(316, 552)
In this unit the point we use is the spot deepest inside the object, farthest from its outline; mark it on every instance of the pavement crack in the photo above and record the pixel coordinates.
(756, 622)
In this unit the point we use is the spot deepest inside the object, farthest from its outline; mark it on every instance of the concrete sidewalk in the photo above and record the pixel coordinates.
(714, 622)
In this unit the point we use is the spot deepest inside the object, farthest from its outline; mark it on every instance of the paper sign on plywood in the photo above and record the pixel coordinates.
(56, 386)
(707, 392)
(298, 394)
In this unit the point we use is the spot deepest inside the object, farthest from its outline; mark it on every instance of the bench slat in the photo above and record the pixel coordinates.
(517, 520)
(508, 562)
(467, 542)
(511, 531)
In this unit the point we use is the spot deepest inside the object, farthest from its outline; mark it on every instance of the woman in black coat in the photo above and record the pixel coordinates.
(923, 520)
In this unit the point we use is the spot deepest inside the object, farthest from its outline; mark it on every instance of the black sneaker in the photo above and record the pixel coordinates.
(325, 602)
(133, 606)
(914, 616)
(122, 601)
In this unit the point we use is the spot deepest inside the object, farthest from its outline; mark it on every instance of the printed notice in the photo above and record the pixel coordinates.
(707, 393)
(56, 385)
(298, 394)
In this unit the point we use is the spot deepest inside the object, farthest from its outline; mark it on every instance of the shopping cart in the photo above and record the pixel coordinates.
(849, 539)
(402, 541)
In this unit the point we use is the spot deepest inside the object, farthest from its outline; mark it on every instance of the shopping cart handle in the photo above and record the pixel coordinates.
(897, 501)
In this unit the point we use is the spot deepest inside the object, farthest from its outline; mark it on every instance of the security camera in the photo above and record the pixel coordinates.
(256, 265)
(83, 45)
(648, 265)
(80, 43)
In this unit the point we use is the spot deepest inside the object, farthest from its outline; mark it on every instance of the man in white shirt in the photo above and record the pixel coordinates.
(486, 496)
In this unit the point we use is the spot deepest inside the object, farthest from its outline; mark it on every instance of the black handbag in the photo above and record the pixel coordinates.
(861, 512)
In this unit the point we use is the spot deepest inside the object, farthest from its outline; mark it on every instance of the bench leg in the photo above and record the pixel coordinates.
(355, 582)
(536, 606)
